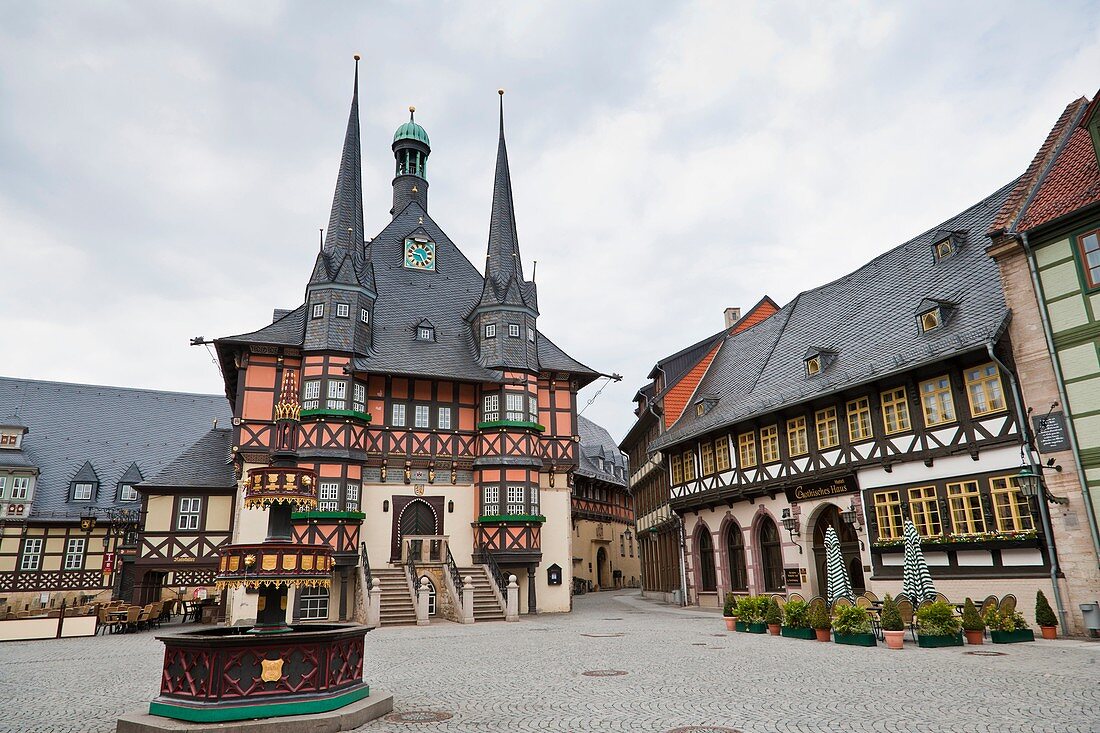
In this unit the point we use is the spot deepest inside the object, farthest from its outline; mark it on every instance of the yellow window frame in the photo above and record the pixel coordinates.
(769, 444)
(706, 453)
(1011, 510)
(936, 401)
(746, 450)
(888, 513)
(859, 419)
(895, 410)
(689, 466)
(722, 453)
(924, 510)
(828, 428)
(965, 501)
(986, 386)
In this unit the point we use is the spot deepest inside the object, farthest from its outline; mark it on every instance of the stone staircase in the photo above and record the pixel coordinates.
(487, 604)
(397, 602)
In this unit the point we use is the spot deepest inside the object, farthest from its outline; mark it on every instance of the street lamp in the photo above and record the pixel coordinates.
(1030, 483)
(851, 516)
(790, 523)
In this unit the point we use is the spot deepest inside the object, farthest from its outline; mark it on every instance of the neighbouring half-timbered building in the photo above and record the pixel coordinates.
(434, 411)
(605, 553)
(658, 405)
(72, 460)
(889, 394)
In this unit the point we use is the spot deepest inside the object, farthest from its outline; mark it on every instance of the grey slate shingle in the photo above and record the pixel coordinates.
(597, 446)
(867, 318)
(111, 428)
(206, 464)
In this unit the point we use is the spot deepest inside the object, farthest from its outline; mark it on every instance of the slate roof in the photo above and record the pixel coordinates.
(110, 428)
(866, 317)
(15, 459)
(445, 297)
(207, 464)
(597, 446)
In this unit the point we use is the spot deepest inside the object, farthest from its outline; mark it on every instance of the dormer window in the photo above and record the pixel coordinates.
(704, 404)
(933, 314)
(817, 359)
(364, 315)
(931, 320)
(82, 491)
(342, 310)
(318, 310)
(513, 330)
(127, 492)
(946, 244)
(425, 333)
(531, 335)
(490, 330)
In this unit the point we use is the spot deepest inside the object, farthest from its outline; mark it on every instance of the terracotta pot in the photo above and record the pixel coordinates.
(773, 629)
(894, 639)
(974, 637)
(823, 634)
(730, 621)
(1049, 632)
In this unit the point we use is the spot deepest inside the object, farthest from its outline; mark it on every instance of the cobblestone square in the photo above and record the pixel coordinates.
(682, 669)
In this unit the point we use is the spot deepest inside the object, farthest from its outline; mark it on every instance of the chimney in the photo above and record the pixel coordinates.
(733, 315)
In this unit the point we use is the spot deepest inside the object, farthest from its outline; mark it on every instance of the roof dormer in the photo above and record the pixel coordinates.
(12, 431)
(933, 314)
(704, 403)
(946, 243)
(425, 331)
(817, 359)
(84, 486)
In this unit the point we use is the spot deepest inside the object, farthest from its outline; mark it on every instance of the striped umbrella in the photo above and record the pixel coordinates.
(916, 581)
(837, 582)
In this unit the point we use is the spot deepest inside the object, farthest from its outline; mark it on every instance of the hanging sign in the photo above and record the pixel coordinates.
(792, 577)
(821, 489)
(1050, 432)
(108, 563)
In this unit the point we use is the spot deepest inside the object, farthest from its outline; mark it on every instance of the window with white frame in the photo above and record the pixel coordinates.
(190, 509)
(531, 335)
(32, 554)
(490, 501)
(443, 419)
(318, 310)
(20, 487)
(74, 553)
(516, 500)
(514, 407)
(342, 310)
(3, 485)
(314, 606)
(127, 492)
(359, 397)
(337, 394)
(311, 394)
(533, 495)
(329, 497)
(533, 407)
(364, 315)
(397, 417)
(490, 330)
(82, 491)
(422, 417)
(513, 330)
(491, 408)
(425, 333)
(351, 498)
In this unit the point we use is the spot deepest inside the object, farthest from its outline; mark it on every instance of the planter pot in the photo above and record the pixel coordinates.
(974, 637)
(1012, 637)
(757, 627)
(792, 633)
(740, 625)
(1049, 632)
(773, 629)
(855, 639)
(823, 634)
(894, 639)
(730, 621)
(934, 642)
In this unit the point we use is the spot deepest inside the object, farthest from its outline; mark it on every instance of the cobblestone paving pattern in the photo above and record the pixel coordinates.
(682, 670)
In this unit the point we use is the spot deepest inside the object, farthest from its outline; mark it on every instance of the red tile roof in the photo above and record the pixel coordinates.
(1072, 184)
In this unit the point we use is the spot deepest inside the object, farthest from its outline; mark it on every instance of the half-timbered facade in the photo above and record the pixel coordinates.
(432, 405)
(605, 552)
(72, 457)
(889, 394)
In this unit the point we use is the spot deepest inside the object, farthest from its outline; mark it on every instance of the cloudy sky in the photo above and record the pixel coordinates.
(164, 167)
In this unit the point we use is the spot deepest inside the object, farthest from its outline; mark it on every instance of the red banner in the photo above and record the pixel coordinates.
(108, 562)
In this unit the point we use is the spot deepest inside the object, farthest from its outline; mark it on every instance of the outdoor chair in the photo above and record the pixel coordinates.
(942, 597)
(1008, 604)
(795, 597)
(864, 602)
(133, 616)
(103, 624)
(817, 600)
(841, 602)
(870, 596)
(905, 610)
(780, 599)
(988, 603)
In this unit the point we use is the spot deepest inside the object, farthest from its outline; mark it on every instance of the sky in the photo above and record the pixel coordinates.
(165, 167)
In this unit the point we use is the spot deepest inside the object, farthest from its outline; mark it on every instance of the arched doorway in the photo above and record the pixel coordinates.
(601, 569)
(704, 548)
(849, 548)
(417, 518)
(771, 555)
(735, 558)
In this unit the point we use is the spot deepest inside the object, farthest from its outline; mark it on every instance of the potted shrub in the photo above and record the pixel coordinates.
(938, 626)
(757, 608)
(773, 617)
(893, 629)
(1044, 616)
(852, 626)
(973, 626)
(797, 621)
(740, 611)
(729, 611)
(820, 621)
(1007, 627)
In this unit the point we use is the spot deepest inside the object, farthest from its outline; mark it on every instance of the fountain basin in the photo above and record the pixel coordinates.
(225, 673)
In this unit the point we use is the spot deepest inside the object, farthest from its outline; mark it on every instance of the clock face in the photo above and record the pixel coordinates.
(419, 254)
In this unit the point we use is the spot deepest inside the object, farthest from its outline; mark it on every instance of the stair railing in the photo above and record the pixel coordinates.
(452, 568)
(494, 570)
(365, 562)
(410, 569)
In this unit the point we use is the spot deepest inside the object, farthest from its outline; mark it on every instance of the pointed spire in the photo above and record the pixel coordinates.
(347, 202)
(288, 407)
(503, 260)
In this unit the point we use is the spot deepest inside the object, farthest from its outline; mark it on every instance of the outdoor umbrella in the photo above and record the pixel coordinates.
(916, 581)
(837, 582)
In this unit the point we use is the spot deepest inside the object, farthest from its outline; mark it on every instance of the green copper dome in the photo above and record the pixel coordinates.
(411, 130)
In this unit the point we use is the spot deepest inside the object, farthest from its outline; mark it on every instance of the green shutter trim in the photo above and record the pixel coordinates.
(246, 712)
